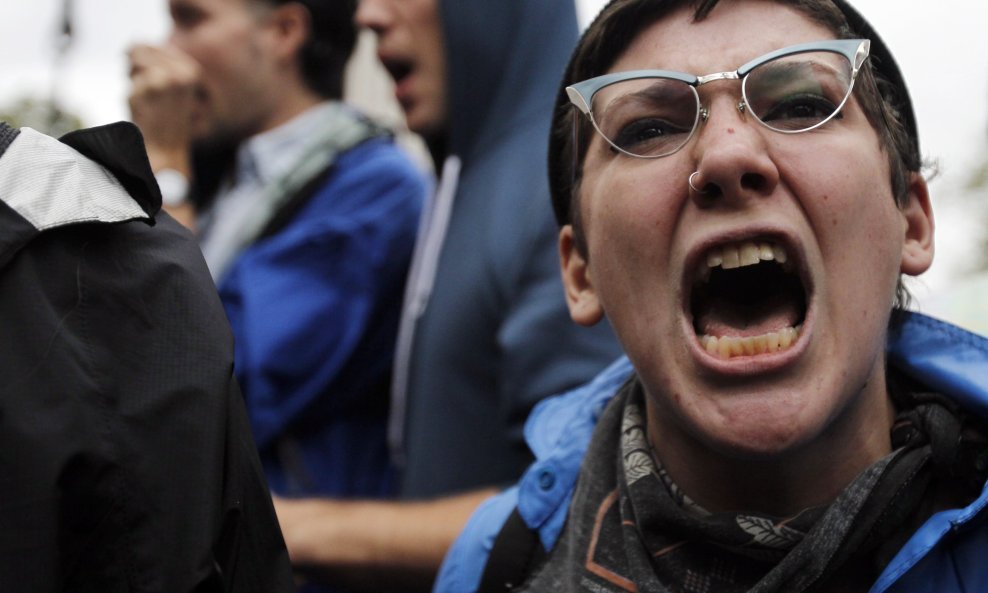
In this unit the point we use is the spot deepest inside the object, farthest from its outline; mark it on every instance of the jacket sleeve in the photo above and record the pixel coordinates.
(174, 459)
(314, 308)
(465, 561)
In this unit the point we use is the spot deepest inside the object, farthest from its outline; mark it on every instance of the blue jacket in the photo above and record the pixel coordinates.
(314, 310)
(945, 555)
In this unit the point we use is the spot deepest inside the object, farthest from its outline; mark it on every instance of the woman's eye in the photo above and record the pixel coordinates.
(800, 108)
(646, 130)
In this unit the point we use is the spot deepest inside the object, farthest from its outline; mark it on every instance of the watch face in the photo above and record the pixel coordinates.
(173, 185)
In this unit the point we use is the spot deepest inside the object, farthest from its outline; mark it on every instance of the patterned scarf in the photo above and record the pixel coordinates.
(631, 529)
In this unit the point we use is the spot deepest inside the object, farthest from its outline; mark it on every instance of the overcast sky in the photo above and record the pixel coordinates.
(941, 47)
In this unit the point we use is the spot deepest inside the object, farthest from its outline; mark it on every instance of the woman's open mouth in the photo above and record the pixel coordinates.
(747, 299)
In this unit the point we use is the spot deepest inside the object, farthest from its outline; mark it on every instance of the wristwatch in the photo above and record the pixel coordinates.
(173, 185)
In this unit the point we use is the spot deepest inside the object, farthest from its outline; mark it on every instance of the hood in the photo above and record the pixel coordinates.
(97, 175)
(504, 60)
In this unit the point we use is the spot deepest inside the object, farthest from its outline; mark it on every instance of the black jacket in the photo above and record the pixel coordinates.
(126, 461)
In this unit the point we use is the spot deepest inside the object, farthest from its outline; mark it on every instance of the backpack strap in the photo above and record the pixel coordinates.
(290, 208)
(339, 131)
(516, 552)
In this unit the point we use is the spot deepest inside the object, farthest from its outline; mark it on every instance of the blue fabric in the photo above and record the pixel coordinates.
(946, 555)
(496, 336)
(314, 310)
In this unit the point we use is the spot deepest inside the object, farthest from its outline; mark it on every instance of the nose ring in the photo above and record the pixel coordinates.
(690, 183)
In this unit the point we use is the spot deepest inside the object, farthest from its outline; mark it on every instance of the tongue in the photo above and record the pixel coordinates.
(725, 317)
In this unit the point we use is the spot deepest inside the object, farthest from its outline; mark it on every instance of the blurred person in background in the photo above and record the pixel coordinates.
(306, 213)
(485, 332)
(126, 455)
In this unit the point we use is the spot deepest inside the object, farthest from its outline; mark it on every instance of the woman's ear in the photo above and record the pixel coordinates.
(917, 212)
(584, 306)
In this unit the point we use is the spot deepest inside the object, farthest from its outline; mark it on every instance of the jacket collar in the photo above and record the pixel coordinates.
(945, 358)
(100, 175)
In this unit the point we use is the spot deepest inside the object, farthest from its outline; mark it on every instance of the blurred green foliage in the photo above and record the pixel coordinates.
(979, 178)
(40, 114)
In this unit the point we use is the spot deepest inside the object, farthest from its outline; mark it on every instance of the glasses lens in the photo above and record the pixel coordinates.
(797, 93)
(648, 117)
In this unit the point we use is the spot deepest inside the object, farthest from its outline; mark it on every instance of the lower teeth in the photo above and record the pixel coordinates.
(732, 346)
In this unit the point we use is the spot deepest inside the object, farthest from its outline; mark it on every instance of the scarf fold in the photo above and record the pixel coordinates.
(632, 529)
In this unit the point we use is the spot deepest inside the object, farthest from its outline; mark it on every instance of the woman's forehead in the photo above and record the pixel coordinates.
(733, 33)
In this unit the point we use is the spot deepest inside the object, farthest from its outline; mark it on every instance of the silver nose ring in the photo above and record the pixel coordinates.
(690, 182)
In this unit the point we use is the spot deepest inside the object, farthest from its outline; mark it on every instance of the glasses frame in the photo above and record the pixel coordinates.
(582, 93)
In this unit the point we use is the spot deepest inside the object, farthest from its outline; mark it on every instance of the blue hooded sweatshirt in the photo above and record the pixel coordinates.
(494, 335)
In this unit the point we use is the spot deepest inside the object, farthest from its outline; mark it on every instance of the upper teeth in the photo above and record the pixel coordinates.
(743, 254)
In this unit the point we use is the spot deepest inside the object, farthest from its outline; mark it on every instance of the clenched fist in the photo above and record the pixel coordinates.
(164, 102)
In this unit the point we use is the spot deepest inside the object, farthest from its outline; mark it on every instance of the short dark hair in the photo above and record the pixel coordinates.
(332, 38)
